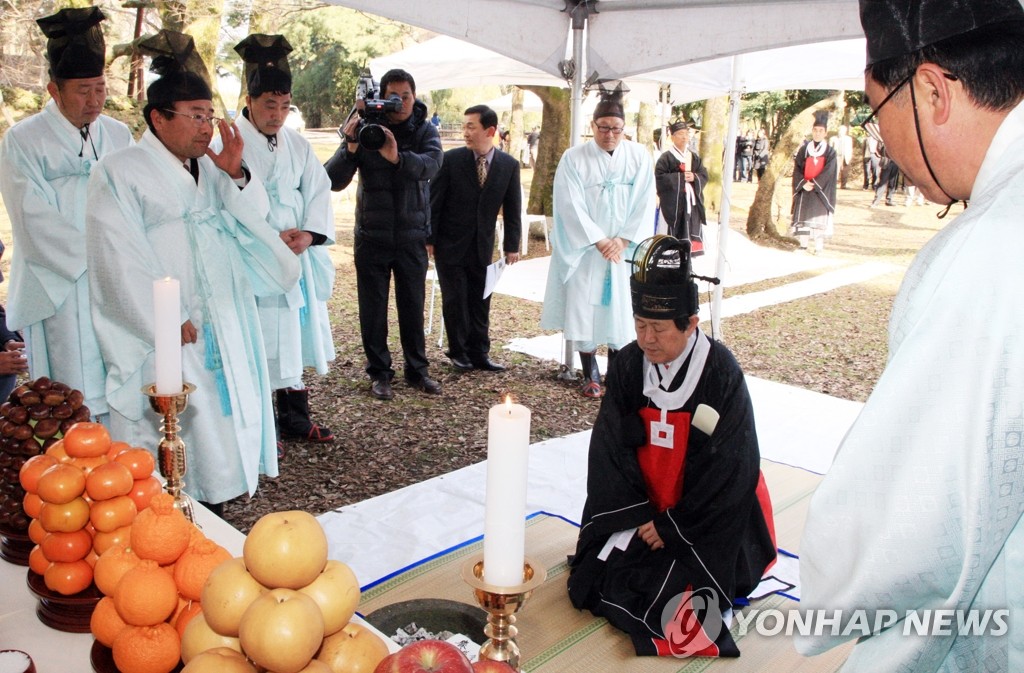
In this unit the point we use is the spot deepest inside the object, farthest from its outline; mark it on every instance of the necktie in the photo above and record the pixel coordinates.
(481, 170)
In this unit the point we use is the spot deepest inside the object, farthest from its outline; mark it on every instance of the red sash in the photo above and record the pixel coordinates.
(813, 167)
(662, 467)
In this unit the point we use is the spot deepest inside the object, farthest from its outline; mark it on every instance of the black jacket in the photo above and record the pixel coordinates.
(463, 213)
(393, 201)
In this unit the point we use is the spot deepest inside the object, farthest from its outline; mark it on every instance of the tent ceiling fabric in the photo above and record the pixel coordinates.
(627, 37)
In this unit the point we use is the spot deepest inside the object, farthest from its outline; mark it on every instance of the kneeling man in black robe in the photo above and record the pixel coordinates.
(677, 522)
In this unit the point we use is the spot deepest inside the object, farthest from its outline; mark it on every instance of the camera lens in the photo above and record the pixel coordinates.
(371, 136)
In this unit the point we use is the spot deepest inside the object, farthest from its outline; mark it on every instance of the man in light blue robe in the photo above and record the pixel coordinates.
(604, 201)
(45, 162)
(170, 207)
(296, 325)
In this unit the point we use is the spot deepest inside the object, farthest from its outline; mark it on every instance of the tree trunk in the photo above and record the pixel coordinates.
(645, 127)
(768, 214)
(712, 147)
(554, 140)
(515, 125)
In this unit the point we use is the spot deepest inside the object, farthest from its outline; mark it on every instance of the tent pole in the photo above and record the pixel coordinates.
(727, 175)
(579, 21)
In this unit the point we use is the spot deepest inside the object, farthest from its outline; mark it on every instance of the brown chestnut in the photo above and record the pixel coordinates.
(76, 399)
(46, 428)
(38, 412)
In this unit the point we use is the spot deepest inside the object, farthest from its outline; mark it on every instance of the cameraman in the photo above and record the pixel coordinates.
(392, 224)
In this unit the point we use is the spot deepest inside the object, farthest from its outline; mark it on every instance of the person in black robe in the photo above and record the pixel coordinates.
(814, 187)
(679, 177)
(677, 522)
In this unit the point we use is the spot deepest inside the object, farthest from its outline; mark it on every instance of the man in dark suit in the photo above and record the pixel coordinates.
(474, 182)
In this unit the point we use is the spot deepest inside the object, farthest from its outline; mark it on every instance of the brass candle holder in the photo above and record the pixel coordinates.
(502, 604)
(171, 450)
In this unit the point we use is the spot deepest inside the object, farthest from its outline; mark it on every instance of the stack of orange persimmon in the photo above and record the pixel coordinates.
(82, 495)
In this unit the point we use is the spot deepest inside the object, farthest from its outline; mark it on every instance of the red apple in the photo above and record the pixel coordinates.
(428, 656)
(488, 666)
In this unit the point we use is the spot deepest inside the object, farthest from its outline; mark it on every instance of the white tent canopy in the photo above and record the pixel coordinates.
(625, 37)
(446, 63)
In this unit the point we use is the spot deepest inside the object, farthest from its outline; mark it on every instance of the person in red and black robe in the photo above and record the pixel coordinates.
(814, 187)
(679, 177)
(677, 522)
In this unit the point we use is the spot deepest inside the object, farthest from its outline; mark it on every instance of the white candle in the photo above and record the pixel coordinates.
(508, 445)
(167, 335)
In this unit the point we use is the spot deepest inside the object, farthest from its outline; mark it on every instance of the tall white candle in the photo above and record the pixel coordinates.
(167, 335)
(508, 451)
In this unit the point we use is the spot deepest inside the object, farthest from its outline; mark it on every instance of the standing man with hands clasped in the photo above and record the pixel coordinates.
(296, 325)
(45, 162)
(392, 225)
(475, 181)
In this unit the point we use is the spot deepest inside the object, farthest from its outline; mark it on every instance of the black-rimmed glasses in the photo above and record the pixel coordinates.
(614, 130)
(197, 119)
(895, 89)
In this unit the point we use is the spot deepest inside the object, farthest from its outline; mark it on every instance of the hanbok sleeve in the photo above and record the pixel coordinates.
(47, 238)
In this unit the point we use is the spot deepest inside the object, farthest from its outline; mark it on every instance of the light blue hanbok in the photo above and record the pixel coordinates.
(296, 325)
(597, 195)
(148, 219)
(44, 167)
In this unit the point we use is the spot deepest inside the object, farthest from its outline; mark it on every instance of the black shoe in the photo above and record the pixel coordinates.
(461, 362)
(425, 384)
(488, 365)
(381, 389)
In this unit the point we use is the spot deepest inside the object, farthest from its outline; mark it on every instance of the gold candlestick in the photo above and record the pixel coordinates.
(501, 604)
(171, 450)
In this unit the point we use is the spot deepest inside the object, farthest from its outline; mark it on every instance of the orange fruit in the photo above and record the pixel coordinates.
(61, 483)
(108, 515)
(36, 532)
(101, 542)
(146, 595)
(112, 565)
(185, 615)
(68, 578)
(143, 491)
(109, 480)
(147, 649)
(64, 518)
(117, 447)
(105, 623)
(194, 566)
(87, 463)
(161, 532)
(37, 561)
(67, 547)
(86, 440)
(139, 461)
(32, 503)
(57, 451)
(33, 468)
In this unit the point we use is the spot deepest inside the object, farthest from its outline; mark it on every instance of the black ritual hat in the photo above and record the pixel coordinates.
(610, 105)
(899, 27)
(74, 45)
(821, 119)
(266, 63)
(183, 75)
(662, 286)
(679, 126)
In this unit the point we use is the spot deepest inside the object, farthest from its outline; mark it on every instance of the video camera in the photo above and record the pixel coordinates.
(372, 110)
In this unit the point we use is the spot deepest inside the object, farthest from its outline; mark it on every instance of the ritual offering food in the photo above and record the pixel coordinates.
(33, 418)
(283, 605)
(16, 661)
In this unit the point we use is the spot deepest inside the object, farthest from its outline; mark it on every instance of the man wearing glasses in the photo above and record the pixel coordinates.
(45, 162)
(172, 207)
(603, 205)
(920, 513)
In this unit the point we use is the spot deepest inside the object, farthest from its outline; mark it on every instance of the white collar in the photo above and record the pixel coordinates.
(1005, 140)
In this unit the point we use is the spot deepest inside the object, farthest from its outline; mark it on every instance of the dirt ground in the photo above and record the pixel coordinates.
(834, 343)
